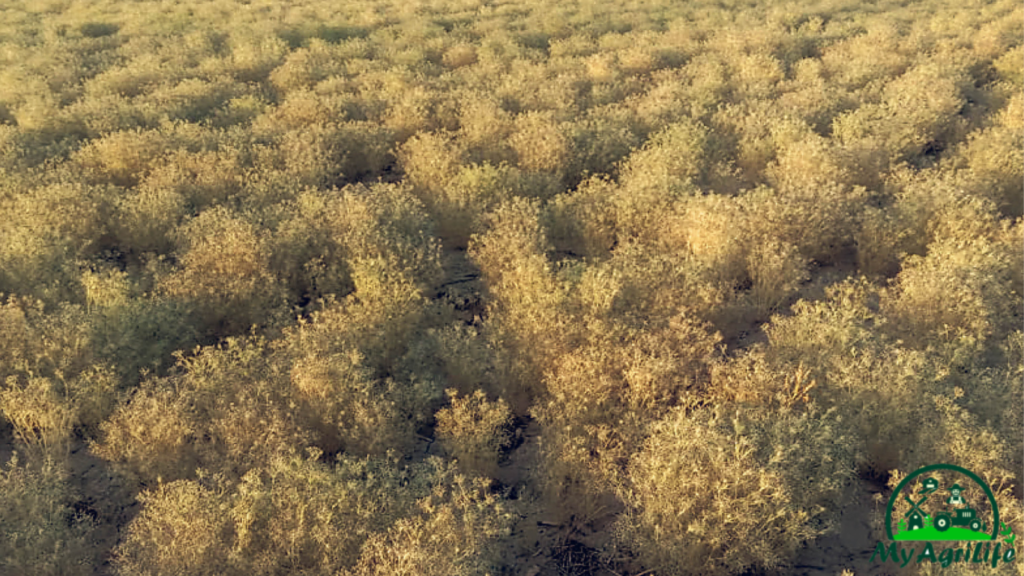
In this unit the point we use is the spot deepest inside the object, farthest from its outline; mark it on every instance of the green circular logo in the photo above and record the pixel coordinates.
(942, 509)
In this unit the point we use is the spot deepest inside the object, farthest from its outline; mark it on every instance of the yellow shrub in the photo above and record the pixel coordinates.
(716, 231)
(539, 143)
(148, 217)
(225, 273)
(485, 127)
(41, 534)
(599, 213)
(1009, 65)
(123, 158)
(149, 437)
(602, 140)
(472, 192)
(43, 232)
(637, 60)
(880, 239)
(819, 221)
(583, 222)
(386, 222)
(254, 56)
(304, 67)
(430, 160)
(665, 165)
(756, 75)
(40, 414)
(348, 409)
(845, 347)
(193, 99)
(457, 530)
(52, 378)
(776, 271)
(662, 103)
(901, 226)
(305, 254)
(460, 55)
(515, 234)
(301, 515)
(955, 290)
(330, 153)
(348, 363)
(809, 161)
(919, 109)
(467, 361)
(474, 431)
(859, 59)
(136, 78)
(706, 496)
(178, 512)
(994, 159)
(202, 178)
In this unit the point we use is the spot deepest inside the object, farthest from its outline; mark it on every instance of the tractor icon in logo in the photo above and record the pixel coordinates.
(965, 517)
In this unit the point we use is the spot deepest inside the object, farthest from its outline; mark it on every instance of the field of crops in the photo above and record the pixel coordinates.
(483, 287)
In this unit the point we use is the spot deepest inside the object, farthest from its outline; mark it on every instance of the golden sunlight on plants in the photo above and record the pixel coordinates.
(479, 288)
